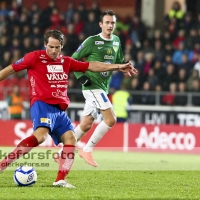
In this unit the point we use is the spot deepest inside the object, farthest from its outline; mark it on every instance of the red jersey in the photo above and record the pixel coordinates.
(49, 77)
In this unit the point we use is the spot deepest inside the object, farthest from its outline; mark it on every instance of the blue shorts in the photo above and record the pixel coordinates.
(50, 116)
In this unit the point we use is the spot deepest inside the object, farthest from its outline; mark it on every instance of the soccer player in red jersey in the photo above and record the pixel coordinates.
(48, 74)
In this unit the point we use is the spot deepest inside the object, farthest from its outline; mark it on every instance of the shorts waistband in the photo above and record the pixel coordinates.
(56, 106)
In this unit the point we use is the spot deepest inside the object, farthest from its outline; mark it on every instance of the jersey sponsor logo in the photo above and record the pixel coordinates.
(79, 48)
(62, 60)
(61, 86)
(57, 77)
(59, 94)
(99, 42)
(32, 80)
(105, 74)
(100, 47)
(19, 61)
(45, 120)
(54, 68)
(108, 57)
(109, 51)
(115, 48)
(42, 56)
(116, 43)
(44, 61)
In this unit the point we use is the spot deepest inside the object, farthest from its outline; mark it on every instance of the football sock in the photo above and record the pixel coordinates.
(78, 132)
(99, 132)
(22, 148)
(66, 161)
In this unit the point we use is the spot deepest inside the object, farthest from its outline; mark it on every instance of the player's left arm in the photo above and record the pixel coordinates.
(101, 67)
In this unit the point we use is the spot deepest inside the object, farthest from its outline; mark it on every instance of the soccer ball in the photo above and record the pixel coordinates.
(25, 176)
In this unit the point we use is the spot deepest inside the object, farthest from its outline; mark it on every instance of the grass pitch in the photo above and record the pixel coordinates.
(118, 176)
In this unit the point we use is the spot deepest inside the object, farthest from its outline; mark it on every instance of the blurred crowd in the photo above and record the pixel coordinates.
(168, 59)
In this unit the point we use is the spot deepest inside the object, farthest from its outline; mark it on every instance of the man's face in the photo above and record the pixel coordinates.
(53, 48)
(108, 25)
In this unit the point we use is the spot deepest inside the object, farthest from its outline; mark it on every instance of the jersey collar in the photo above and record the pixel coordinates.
(106, 38)
(56, 59)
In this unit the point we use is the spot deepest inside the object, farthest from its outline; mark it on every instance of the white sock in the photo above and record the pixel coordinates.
(98, 133)
(78, 132)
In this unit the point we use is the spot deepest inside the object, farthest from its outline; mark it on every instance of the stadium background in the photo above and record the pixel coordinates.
(166, 52)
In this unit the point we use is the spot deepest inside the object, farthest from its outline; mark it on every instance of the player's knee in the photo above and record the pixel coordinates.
(72, 138)
(111, 121)
(41, 138)
(68, 138)
(85, 127)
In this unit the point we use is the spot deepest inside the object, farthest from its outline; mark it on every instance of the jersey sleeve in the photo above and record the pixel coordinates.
(83, 51)
(26, 62)
(78, 66)
(120, 56)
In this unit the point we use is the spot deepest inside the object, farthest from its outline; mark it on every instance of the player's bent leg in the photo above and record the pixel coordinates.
(66, 159)
(109, 117)
(84, 126)
(25, 146)
(101, 129)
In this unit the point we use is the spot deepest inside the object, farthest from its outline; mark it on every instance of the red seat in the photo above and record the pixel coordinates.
(2, 83)
(2, 94)
(24, 82)
(2, 90)
(11, 82)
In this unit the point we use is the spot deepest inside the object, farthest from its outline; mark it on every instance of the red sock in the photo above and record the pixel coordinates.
(22, 148)
(66, 161)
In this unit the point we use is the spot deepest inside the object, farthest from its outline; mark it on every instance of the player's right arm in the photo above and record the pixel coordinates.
(6, 72)
(23, 63)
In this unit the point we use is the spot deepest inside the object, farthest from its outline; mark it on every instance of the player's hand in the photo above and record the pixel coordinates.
(128, 68)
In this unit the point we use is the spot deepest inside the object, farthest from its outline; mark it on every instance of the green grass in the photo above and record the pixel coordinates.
(119, 176)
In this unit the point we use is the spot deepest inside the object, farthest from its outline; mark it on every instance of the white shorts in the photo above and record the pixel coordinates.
(95, 100)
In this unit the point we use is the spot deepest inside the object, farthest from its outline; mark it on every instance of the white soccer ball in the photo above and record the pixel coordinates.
(25, 176)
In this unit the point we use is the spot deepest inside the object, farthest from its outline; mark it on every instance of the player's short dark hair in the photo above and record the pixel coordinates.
(107, 12)
(56, 34)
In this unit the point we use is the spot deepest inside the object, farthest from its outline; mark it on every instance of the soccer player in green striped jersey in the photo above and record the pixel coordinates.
(104, 47)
